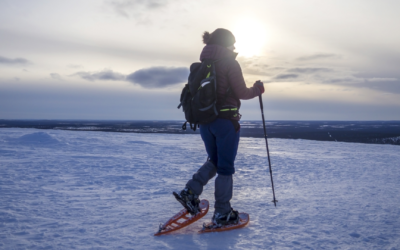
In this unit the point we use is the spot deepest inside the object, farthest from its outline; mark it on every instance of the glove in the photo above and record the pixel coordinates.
(259, 84)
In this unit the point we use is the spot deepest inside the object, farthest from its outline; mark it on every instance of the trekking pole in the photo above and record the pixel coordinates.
(266, 143)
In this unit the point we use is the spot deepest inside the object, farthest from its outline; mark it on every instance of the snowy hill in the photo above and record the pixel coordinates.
(97, 190)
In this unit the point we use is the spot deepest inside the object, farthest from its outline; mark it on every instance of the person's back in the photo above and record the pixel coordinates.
(221, 137)
(229, 75)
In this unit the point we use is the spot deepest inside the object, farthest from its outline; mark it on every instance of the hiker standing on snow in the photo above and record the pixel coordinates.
(221, 137)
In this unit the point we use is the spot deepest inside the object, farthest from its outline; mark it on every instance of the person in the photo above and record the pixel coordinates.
(221, 137)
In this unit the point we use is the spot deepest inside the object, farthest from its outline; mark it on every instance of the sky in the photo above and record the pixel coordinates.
(129, 59)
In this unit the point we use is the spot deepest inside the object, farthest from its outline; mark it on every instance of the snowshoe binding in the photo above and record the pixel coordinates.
(189, 200)
(231, 223)
(229, 218)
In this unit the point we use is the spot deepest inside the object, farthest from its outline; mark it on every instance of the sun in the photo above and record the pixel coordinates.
(250, 37)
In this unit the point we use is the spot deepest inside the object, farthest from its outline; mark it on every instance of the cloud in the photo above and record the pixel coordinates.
(339, 76)
(75, 66)
(55, 76)
(388, 85)
(159, 77)
(9, 61)
(344, 80)
(101, 75)
(254, 65)
(309, 70)
(286, 76)
(154, 77)
(135, 8)
(319, 56)
(381, 79)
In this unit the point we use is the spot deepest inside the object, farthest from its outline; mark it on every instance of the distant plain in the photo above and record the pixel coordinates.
(377, 132)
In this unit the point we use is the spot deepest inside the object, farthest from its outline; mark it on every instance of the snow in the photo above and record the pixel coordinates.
(98, 190)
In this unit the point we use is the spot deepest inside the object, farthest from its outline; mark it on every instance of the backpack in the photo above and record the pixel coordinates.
(199, 96)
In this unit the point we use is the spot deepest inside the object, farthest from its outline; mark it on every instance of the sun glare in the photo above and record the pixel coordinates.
(250, 37)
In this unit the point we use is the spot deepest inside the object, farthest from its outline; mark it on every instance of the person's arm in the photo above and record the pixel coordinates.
(236, 80)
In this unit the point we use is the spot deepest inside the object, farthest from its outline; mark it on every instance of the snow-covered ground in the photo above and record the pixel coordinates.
(97, 190)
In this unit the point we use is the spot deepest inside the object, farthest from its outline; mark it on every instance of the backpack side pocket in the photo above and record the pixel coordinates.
(186, 103)
(204, 101)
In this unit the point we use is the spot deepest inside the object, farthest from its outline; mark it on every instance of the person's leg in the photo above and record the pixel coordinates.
(201, 177)
(223, 194)
(227, 141)
(189, 196)
(208, 170)
(210, 142)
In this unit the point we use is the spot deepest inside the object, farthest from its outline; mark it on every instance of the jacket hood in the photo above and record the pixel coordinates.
(215, 52)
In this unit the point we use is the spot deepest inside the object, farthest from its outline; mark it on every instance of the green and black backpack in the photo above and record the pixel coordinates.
(199, 96)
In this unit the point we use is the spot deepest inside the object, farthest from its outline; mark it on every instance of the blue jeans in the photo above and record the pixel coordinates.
(221, 141)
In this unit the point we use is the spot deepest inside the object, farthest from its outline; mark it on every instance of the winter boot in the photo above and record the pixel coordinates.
(189, 200)
(231, 217)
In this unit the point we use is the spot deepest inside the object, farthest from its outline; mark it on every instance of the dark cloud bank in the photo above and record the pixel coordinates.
(154, 77)
(158, 77)
(10, 61)
(102, 75)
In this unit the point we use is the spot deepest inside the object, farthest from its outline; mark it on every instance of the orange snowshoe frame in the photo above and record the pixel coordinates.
(183, 219)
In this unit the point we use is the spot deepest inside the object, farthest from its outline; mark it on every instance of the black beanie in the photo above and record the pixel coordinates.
(221, 37)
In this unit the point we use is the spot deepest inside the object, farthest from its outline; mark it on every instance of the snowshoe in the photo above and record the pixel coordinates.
(182, 219)
(189, 200)
(229, 218)
(211, 227)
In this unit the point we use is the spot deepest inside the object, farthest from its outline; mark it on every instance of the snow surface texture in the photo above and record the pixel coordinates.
(97, 190)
